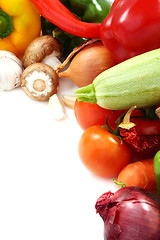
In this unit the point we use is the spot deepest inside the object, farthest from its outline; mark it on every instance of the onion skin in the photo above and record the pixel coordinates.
(88, 64)
(131, 213)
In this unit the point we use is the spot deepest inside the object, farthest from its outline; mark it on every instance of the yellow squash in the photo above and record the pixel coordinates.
(19, 25)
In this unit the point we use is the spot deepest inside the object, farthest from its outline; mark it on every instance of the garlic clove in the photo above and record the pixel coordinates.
(69, 101)
(10, 71)
(56, 108)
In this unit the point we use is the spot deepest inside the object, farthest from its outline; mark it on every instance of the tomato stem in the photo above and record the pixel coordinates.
(114, 132)
(119, 183)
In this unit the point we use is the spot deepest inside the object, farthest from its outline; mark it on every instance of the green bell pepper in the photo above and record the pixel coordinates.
(68, 41)
(156, 163)
(91, 10)
(47, 26)
(86, 10)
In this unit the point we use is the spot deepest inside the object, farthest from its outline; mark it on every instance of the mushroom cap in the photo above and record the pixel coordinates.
(39, 81)
(41, 47)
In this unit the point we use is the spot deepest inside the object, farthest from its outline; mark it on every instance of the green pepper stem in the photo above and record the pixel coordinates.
(6, 25)
(86, 94)
(156, 163)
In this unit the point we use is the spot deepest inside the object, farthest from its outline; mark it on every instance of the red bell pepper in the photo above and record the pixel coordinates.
(131, 27)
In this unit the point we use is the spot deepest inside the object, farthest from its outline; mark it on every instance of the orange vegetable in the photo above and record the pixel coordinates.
(19, 24)
(103, 153)
(140, 174)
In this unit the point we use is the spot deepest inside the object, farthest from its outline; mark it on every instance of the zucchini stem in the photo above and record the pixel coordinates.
(86, 94)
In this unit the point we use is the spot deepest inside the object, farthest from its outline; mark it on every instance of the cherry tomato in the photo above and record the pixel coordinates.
(147, 127)
(103, 153)
(89, 114)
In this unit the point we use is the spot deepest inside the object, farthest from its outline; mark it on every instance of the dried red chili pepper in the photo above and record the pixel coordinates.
(145, 144)
(141, 143)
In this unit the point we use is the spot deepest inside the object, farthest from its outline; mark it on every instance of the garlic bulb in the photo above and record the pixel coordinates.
(10, 71)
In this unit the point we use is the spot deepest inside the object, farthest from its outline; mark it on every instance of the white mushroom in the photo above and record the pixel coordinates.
(44, 49)
(39, 81)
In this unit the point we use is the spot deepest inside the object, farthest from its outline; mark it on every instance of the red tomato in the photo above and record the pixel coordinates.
(103, 153)
(89, 114)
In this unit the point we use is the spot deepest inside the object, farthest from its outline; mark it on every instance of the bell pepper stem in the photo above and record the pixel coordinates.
(6, 25)
(156, 163)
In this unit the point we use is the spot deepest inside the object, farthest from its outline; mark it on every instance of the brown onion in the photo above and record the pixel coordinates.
(89, 61)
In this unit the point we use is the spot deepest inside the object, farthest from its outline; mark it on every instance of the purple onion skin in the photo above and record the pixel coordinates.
(131, 213)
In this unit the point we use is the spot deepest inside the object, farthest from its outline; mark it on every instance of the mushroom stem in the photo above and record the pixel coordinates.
(52, 60)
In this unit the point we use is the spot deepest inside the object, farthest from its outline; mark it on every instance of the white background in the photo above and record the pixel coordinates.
(45, 191)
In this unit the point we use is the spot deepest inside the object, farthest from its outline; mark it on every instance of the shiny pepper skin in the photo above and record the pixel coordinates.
(131, 28)
(19, 25)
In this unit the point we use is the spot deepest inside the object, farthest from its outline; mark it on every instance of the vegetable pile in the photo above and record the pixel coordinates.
(119, 31)
(111, 53)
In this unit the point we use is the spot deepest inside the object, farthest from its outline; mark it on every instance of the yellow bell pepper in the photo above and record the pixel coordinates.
(19, 25)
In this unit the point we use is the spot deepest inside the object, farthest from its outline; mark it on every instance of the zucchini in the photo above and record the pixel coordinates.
(135, 81)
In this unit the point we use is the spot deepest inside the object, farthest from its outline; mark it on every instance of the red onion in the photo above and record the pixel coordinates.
(131, 213)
